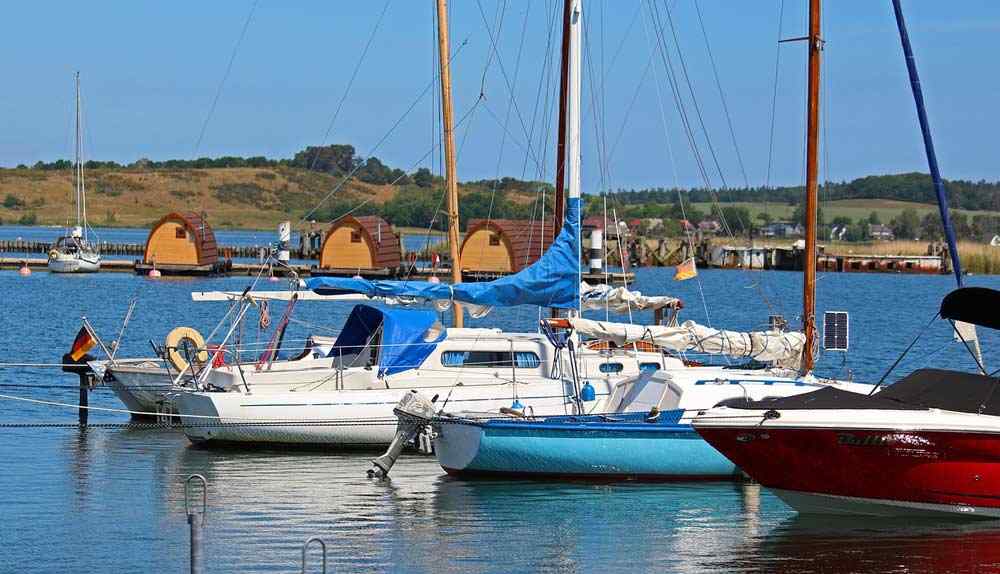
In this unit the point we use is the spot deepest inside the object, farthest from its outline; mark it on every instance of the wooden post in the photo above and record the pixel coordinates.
(451, 177)
(812, 188)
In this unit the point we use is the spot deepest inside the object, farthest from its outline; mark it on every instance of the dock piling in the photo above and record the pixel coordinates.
(86, 375)
(196, 520)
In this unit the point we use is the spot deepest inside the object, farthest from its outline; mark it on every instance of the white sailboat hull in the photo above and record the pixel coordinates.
(347, 418)
(74, 263)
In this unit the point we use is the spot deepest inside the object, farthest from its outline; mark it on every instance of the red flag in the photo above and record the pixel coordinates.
(83, 342)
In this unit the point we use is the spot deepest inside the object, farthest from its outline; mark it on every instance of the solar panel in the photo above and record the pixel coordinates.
(836, 330)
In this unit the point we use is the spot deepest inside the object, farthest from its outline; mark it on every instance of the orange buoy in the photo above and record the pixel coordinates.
(154, 273)
(433, 279)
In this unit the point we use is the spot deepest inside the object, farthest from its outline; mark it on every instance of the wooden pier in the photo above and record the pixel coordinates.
(136, 249)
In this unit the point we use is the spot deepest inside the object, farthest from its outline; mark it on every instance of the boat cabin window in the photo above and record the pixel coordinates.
(180, 233)
(649, 367)
(490, 359)
(611, 368)
(355, 237)
(494, 240)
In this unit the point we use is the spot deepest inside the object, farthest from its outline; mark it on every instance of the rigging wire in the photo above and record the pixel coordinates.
(350, 82)
(722, 95)
(506, 77)
(225, 76)
(383, 139)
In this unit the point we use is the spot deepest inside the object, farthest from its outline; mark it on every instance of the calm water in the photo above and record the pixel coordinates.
(112, 500)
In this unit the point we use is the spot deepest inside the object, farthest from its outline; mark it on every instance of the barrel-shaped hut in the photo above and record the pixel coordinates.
(502, 246)
(181, 243)
(365, 244)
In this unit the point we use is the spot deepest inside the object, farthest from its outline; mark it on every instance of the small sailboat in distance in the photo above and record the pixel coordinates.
(73, 253)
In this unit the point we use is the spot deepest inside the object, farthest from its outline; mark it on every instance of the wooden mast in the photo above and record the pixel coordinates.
(559, 202)
(451, 177)
(812, 188)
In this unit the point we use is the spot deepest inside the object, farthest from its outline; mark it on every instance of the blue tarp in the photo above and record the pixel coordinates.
(552, 281)
(403, 345)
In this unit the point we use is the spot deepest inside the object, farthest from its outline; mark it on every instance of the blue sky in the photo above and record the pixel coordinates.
(151, 70)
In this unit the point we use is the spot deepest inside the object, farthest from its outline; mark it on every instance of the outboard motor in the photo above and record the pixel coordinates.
(414, 412)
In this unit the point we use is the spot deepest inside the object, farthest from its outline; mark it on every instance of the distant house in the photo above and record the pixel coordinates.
(782, 229)
(880, 232)
(593, 222)
(709, 226)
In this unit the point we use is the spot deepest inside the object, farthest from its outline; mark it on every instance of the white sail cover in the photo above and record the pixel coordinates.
(785, 349)
(621, 300)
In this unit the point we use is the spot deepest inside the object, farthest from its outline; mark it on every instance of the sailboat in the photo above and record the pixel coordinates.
(382, 354)
(929, 444)
(73, 253)
(645, 430)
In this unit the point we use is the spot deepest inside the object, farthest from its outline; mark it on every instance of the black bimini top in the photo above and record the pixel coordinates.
(976, 305)
(921, 389)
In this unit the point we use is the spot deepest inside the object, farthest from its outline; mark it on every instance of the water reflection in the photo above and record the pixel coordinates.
(818, 544)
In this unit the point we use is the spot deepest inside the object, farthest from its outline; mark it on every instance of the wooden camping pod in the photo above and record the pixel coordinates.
(504, 245)
(365, 242)
(181, 238)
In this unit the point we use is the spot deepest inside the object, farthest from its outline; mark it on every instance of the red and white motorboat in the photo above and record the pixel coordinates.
(930, 443)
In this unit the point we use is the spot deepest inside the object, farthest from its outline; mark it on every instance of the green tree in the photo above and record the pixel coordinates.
(930, 227)
(12, 202)
(799, 215)
(907, 224)
(842, 221)
(423, 177)
(874, 218)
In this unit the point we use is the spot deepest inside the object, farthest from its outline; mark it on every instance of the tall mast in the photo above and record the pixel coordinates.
(78, 152)
(812, 188)
(573, 155)
(559, 203)
(451, 177)
(925, 130)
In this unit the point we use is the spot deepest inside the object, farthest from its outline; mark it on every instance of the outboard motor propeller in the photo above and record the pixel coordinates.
(414, 412)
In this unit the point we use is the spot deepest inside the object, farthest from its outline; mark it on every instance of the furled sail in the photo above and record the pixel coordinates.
(621, 300)
(552, 281)
(784, 349)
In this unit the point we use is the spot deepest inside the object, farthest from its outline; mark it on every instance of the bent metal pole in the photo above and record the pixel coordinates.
(447, 121)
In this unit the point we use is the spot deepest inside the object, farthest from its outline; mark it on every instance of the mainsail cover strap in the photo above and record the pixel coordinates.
(976, 305)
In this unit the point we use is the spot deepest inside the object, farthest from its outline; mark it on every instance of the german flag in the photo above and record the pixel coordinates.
(83, 342)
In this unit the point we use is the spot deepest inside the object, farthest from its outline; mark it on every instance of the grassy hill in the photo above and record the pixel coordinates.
(855, 209)
(240, 197)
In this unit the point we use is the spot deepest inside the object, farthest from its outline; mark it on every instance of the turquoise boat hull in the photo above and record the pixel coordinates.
(591, 447)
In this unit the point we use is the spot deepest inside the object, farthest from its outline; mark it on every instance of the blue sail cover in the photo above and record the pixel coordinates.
(552, 281)
(404, 344)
